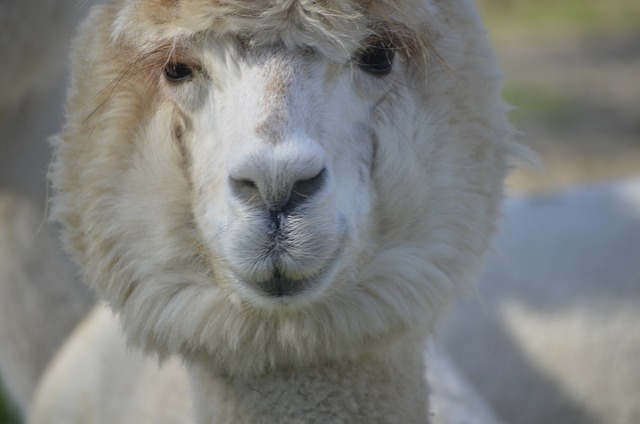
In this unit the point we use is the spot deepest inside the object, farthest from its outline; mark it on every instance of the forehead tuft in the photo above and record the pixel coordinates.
(335, 27)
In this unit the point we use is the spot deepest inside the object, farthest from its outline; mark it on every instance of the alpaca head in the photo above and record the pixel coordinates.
(276, 183)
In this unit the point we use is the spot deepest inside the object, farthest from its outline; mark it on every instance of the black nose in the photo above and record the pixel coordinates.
(281, 199)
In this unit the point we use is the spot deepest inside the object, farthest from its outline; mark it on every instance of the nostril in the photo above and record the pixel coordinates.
(304, 189)
(245, 189)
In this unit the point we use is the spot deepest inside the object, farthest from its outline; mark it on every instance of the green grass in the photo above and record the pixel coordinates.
(540, 105)
(8, 414)
(560, 17)
(541, 22)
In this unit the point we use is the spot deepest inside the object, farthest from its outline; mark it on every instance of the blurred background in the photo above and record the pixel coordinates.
(573, 73)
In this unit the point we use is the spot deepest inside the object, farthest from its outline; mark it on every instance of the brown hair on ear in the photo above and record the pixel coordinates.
(142, 70)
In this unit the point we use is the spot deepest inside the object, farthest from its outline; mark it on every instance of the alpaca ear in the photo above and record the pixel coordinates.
(89, 54)
(96, 60)
(98, 69)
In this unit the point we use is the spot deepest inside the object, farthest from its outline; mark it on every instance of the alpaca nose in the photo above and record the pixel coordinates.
(279, 184)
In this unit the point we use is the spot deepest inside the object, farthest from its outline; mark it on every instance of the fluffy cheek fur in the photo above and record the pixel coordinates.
(147, 253)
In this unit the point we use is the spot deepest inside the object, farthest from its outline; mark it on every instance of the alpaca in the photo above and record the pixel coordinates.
(285, 195)
(557, 340)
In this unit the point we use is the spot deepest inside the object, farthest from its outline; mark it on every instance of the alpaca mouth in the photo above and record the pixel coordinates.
(281, 286)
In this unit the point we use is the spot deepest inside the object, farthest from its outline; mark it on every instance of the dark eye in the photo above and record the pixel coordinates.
(376, 59)
(177, 72)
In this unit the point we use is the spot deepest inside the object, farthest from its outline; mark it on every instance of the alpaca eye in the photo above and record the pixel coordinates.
(377, 59)
(177, 72)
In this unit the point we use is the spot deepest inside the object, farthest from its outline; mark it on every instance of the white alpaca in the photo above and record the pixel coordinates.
(286, 195)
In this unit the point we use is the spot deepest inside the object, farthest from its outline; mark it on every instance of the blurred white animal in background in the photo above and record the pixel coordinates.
(556, 336)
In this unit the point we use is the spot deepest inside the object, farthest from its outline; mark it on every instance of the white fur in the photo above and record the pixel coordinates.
(126, 387)
(152, 193)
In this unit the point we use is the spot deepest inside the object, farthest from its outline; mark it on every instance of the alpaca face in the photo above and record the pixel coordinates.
(280, 152)
(280, 186)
